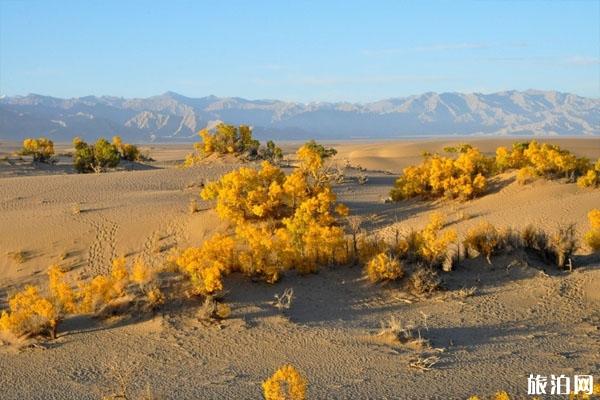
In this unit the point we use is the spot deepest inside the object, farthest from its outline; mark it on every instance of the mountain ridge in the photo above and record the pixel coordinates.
(172, 117)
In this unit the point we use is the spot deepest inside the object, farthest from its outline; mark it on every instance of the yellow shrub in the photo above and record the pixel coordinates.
(95, 293)
(141, 274)
(61, 293)
(119, 275)
(383, 267)
(155, 297)
(368, 246)
(29, 313)
(439, 176)
(127, 151)
(590, 179)
(285, 384)
(206, 265)
(592, 237)
(248, 193)
(280, 222)
(102, 289)
(525, 175)
(223, 139)
(433, 246)
(42, 149)
(501, 396)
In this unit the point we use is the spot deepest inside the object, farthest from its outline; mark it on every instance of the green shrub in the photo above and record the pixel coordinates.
(271, 153)
(321, 150)
(95, 158)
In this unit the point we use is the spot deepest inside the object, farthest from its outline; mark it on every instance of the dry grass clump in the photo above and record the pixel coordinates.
(463, 177)
(558, 247)
(592, 237)
(424, 281)
(483, 239)
(193, 206)
(394, 331)
(384, 267)
(19, 256)
(75, 208)
(212, 310)
(284, 301)
(563, 244)
(285, 384)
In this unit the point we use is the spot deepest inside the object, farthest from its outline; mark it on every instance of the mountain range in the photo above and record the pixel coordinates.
(171, 117)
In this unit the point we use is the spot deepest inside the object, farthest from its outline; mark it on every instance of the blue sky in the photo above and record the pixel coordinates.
(303, 51)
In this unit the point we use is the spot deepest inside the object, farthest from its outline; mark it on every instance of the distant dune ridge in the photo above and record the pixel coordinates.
(171, 117)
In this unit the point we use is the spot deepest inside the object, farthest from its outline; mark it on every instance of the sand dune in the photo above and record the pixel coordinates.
(525, 317)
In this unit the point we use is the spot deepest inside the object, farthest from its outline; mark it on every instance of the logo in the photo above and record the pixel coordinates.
(559, 384)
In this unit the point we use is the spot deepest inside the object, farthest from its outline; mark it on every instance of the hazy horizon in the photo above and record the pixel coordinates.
(168, 92)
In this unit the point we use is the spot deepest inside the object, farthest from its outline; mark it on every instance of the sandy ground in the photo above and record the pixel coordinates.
(524, 317)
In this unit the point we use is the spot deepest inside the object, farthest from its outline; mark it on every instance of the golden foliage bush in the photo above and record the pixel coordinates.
(463, 177)
(592, 237)
(42, 149)
(61, 293)
(431, 244)
(127, 151)
(206, 265)
(279, 222)
(285, 384)
(384, 267)
(248, 193)
(525, 175)
(227, 139)
(591, 178)
(29, 314)
(466, 176)
(369, 246)
(540, 160)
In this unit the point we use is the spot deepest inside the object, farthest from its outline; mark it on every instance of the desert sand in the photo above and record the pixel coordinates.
(524, 317)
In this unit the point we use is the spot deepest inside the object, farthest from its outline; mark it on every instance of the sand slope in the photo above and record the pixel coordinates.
(524, 317)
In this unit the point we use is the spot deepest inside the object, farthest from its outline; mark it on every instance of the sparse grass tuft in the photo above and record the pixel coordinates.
(564, 244)
(76, 209)
(284, 301)
(19, 256)
(193, 206)
(483, 239)
(211, 310)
